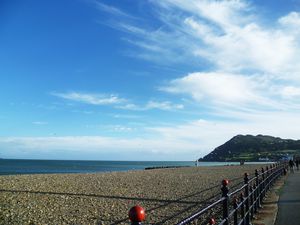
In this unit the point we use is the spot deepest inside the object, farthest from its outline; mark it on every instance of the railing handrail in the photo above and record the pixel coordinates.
(265, 178)
(199, 213)
(252, 193)
(237, 190)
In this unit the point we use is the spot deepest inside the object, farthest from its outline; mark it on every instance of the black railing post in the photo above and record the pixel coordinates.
(257, 189)
(251, 196)
(262, 195)
(225, 191)
(246, 180)
(235, 214)
(267, 178)
(136, 215)
(270, 178)
(272, 167)
(277, 171)
(255, 197)
(251, 201)
(242, 209)
(273, 172)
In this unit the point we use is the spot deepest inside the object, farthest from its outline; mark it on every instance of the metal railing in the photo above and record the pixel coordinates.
(238, 207)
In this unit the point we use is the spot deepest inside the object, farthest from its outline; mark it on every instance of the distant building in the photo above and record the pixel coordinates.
(266, 159)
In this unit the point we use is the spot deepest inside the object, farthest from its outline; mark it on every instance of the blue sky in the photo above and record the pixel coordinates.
(145, 80)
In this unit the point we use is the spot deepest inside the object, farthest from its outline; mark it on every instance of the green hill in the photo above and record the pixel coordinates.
(253, 148)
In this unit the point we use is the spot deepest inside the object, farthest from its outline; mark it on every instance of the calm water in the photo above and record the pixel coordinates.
(18, 166)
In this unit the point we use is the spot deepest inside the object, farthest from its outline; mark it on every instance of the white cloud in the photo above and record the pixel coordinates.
(157, 44)
(163, 105)
(254, 74)
(40, 123)
(236, 92)
(223, 13)
(209, 134)
(291, 92)
(66, 147)
(130, 106)
(111, 9)
(244, 47)
(121, 128)
(111, 128)
(186, 141)
(251, 84)
(150, 105)
(116, 101)
(252, 65)
(132, 29)
(227, 34)
(219, 87)
(94, 99)
(292, 19)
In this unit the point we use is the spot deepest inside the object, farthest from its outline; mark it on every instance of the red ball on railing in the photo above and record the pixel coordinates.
(225, 182)
(137, 214)
(212, 221)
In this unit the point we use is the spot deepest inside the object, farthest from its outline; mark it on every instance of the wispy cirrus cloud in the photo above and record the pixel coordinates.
(232, 38)
(93, 99)
(166, 105)
(111, 9)
(222, 13)
(116, 101)
(248, 64)
(250, 81)
(252, 64)
(163, 105)
(227, 34)
(251, 67)
(156, 44)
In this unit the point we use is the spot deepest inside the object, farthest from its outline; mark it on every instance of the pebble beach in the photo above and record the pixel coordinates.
(168, 195)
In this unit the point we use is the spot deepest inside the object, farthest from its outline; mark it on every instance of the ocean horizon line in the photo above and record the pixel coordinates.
(96, 160)
(35, 166)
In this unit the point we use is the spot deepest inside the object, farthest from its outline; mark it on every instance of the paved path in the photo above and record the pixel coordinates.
(289, 201)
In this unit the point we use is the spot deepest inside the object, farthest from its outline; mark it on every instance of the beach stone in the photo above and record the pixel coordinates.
(104, 198)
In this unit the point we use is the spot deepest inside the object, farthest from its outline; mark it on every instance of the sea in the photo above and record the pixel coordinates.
(27, 166)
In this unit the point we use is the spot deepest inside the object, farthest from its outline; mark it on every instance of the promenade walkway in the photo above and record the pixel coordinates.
(289, 201)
